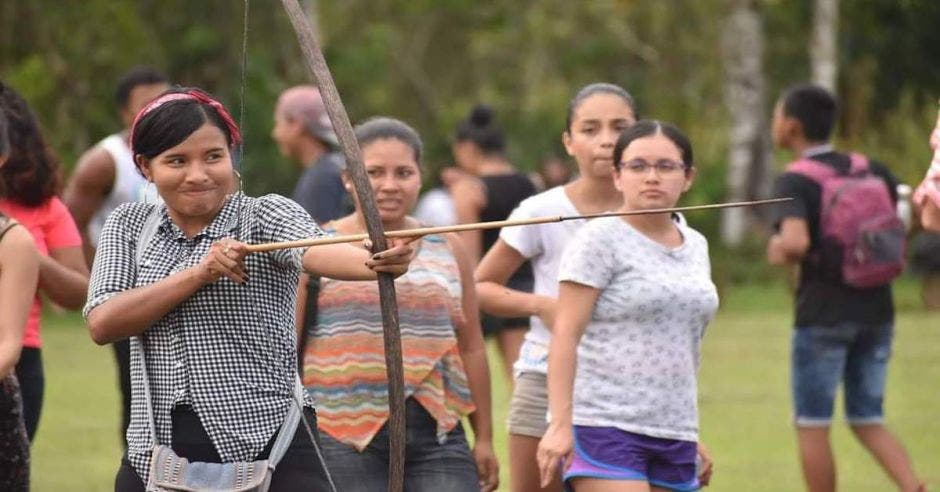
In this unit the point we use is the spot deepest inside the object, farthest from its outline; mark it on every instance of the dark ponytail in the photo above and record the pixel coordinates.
(481, 129)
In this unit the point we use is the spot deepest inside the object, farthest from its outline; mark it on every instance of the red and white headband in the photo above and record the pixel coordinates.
(195, 95)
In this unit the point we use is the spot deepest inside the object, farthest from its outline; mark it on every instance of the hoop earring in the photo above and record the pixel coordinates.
(238, 178)
(149, 194)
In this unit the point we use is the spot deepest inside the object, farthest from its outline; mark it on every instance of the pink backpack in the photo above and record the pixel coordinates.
(857, 217)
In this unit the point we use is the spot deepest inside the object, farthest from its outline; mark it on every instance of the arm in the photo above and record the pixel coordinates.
(63, 276)
(300, 308)
(19, 274)
(473, 353)
(791, 240)
(469, 200)
(132, 311)
(500, 262)
(926, 199)
(288, 221)
(576, 303)
(930, 216)
(347, 262)
(87, 190)
(790, 244)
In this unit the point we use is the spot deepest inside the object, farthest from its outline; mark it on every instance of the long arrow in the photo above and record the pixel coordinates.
(424, 231)
(313, 55)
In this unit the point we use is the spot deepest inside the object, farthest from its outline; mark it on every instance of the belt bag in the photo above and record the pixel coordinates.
(169, 472)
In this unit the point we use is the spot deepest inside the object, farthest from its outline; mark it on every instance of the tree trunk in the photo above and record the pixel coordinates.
(748, 163)
(823, 49)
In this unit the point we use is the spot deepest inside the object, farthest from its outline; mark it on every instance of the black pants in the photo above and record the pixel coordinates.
(32, 386)
(14, 446)
(299, 470)
(122, 356)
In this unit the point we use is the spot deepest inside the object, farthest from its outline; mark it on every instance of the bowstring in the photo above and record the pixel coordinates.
(244, 82)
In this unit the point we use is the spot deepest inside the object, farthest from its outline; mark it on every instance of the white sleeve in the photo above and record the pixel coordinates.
(527, 240)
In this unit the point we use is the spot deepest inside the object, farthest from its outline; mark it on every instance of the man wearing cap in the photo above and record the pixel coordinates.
(303, 133)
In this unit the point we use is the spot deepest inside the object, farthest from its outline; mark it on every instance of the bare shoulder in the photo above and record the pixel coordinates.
(468, 189)
(17, 243)
(95, 169)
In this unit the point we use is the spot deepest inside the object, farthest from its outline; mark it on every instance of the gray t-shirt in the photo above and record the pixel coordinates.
(639, 355)
(320, 189)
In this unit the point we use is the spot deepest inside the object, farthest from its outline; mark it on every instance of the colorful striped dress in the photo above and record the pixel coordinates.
(344, 359)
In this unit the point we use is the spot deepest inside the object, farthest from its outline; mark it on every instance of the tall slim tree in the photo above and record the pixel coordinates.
(745, 88)
(823, 47)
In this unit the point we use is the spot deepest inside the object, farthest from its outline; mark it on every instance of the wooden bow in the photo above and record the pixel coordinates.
(313, 55)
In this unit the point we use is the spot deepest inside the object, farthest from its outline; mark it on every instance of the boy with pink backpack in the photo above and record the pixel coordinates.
(843, 231)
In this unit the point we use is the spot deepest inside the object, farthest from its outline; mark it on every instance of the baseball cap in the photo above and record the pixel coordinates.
(304, 102)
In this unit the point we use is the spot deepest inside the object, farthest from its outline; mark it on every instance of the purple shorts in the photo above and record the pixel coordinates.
(614, 454)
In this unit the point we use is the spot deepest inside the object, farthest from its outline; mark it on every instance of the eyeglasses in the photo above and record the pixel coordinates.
(663, 167)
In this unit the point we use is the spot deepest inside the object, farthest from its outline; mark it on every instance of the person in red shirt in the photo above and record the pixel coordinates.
(29, 183)
(19, 273)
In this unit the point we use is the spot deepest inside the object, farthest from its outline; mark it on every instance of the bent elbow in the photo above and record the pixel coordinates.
(930, 218)
(98, 330)
(73, 304)
(484, 291)
(776, 259)
(797, 249)
(72, 299)
(98, 336)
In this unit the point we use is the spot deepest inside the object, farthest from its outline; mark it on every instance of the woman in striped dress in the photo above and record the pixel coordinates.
(445, 366)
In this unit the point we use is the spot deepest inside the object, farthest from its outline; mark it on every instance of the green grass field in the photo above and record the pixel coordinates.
(745, 405)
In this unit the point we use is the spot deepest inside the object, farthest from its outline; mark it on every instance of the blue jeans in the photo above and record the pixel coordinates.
(851, 353)
(430, 466)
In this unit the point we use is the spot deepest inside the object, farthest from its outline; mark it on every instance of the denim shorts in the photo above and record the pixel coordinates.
(430, 464)
(853, 354)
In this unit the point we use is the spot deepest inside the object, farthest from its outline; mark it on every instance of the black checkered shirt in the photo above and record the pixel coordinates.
(229, 350)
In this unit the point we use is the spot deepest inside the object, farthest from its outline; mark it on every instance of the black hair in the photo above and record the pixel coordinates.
(174, 121)
(31, 174)
(647, 128)
(814, 107)
(481, 128)
(598, 88)
(381, 127)
(4, 135)
(137, 76)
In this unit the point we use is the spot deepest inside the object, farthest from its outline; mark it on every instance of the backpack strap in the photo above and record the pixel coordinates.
(859, 164)
(814, 170)
(147, 232)
(149, 229)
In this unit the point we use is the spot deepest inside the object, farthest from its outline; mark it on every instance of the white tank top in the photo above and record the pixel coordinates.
(129, 185)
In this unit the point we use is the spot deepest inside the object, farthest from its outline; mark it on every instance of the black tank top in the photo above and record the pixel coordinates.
(503, 194)
(6, 224)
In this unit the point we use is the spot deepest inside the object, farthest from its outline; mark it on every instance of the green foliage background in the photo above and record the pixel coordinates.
(428, 62)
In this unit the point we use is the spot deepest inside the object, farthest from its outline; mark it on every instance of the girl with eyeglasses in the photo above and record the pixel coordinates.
(635, 296)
